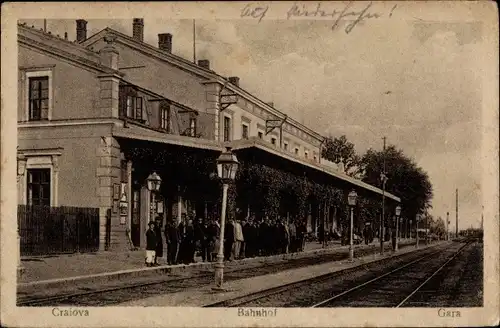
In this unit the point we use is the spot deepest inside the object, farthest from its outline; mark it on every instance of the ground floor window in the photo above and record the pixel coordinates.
(38, 187)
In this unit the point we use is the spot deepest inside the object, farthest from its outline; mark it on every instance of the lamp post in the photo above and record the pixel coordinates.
(417, 218)
(154, 182)
(351, 200)
(398, 213)
(227, 165)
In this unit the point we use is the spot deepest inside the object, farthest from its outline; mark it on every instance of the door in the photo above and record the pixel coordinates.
(135, 229)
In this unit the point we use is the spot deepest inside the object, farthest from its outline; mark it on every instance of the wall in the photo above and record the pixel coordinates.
(160, 77)
(72, 97)
(78, 162)
(239, 112)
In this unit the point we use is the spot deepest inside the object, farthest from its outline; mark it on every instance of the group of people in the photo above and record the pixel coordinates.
(242, 238)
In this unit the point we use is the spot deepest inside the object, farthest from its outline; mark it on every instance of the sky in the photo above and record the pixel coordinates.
(416, 82)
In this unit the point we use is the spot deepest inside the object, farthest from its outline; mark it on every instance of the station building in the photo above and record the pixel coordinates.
(98, 115)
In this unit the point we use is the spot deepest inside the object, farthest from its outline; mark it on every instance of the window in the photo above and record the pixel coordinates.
(227, 128)
(165, 117)
(306, 155)
(130, 106)
(38, 98)
(192, 127)
(285, 146)
(260, 134)
(244, 131)
(138, 108)
(38, 187)
(296, 151)
(133, 107)
(273, 141)
(315, 158)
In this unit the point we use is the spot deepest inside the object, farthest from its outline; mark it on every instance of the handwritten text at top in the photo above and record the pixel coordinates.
(351, 11)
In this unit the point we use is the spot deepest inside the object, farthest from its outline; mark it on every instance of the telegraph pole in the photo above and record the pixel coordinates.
(456, 223)
(447, 222)
(383, 177)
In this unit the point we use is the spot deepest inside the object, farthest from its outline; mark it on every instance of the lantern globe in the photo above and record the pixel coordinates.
(227, 165)
(398, 210)
(351, 198)
(154, 182)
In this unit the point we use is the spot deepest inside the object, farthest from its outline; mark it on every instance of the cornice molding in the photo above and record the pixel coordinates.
(81, 61)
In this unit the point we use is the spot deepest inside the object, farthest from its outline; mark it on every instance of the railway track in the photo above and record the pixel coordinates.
(343, 288)
(111, 295)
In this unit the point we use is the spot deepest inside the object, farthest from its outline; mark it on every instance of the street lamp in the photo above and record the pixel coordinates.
(398, 213)
(154, 182)
(351, 200)
(417, 219)
(227, 165)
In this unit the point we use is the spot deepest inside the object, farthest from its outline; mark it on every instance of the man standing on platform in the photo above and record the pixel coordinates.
(172, 238)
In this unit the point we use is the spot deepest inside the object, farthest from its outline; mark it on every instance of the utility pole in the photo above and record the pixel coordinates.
(447, 222)
(456, 223)
(384, 179)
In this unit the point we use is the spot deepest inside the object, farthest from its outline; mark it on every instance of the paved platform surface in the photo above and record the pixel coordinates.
(205, 295)
(42, 268)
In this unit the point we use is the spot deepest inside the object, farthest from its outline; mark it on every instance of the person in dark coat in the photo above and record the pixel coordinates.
(159, 241)
(199, 237)
(264, 242)
(247, 235)
(172, 238)
(228, 240)
(301, 236)
(151, 244)
(189, 243)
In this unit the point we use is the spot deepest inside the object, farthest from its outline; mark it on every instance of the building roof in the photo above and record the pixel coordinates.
(138, 133)
(207, 74)
(262, 145)
(54, 45)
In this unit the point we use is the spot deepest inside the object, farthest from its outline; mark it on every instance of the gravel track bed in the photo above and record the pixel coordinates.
(459, 284)
(314, 291)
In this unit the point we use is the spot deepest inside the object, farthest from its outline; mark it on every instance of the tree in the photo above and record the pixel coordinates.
(438, 227)
(341, 151)
(405, 179)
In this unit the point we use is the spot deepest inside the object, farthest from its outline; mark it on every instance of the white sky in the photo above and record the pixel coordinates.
(337, 83)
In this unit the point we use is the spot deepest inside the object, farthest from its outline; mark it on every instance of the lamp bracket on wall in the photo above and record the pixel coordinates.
(273, 124)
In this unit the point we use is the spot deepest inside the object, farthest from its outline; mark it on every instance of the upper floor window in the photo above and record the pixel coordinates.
(133, 107)
(38, 187)
(260, 134)
(244, 131)
(165, 117)
(227, 128)
(192, 127)
(315, 158)
(285, 146)
(273, 141)
(306, 154)
(38, 98)
(296, 151)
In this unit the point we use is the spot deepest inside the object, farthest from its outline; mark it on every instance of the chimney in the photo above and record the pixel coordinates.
(165, 42)
(234, 80)
(205, 63)
(81, 30)
(138, 29)
(271, 104)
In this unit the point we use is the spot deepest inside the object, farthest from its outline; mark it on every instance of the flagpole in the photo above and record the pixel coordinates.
(194, 41)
